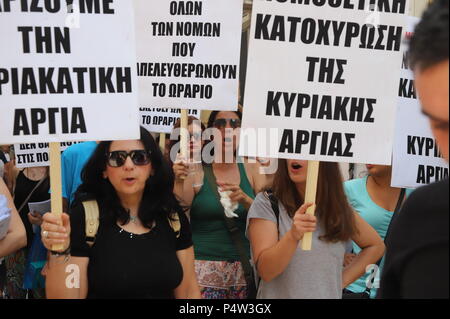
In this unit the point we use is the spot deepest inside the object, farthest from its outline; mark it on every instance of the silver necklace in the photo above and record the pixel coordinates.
(134, 219)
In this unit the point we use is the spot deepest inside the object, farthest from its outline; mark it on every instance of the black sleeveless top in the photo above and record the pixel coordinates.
(23, 188)
(124, 265)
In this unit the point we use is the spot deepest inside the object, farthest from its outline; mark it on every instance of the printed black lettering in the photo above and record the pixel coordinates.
(325, 109)
(394, 39)
(64, 81)
(273, 100)
(349, 138)
(407, 89)
(20, 123)
(25, 38)
(6, 5)
(186, 8)
(323, 34)
(302, 139)
(96, 6)
(379, 45)
(357, 109)
(303, 102)
(162, 28)
(289, 100)
(262, 26)
(37, 117)
(324, 144)
(287, 142)
(340, 110)
(368, 118)
(45, 81)
(52, 120)
(29, 84)
(411, 145)
(340, 65)
(312, 67)
(78, 122)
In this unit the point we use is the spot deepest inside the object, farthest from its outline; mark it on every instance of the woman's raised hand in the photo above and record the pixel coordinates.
(303, 223)
(180, 169)
(53, 233)
(237, 195)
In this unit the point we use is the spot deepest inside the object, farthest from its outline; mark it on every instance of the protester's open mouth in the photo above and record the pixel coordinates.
(130, 180)
(296, 166)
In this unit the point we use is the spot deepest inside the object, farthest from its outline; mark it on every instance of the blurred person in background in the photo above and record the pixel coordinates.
(417, 258)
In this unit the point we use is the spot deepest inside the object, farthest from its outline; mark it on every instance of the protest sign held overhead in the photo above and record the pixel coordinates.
(67, 71)
(188, 53)
(325, 75)
(159, 120)
(417, 160)
(35, 154)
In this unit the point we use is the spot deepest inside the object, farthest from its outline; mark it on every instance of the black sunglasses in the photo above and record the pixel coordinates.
(221, 123)
(118, 158)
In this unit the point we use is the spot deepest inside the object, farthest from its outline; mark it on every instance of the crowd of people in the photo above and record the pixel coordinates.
(142, 222)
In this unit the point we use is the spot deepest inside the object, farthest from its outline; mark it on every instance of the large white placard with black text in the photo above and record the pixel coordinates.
(416, 157)
(67, 73)
(324, 78)
(188, 53)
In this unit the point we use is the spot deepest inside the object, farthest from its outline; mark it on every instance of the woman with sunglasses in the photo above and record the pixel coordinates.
(136, 252)
(196, 129)
(217, 260)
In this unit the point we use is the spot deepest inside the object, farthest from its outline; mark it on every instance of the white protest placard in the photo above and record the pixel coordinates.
(35, 154)
(188, 53)
(160, 120)
(67, 73)
(416, 157)
(324, 75)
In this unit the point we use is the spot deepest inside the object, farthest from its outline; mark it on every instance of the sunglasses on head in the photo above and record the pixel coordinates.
(221, 123)
(118, 158)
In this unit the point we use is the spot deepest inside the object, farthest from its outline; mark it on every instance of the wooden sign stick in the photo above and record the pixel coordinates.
(183, 134)
(162, 142)
(55, 184)
(310, 197)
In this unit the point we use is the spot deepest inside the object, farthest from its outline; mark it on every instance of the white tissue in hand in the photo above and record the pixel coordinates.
(228, 206)
(5, 216)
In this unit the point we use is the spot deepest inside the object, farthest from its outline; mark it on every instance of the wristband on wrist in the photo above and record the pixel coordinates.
(63, 253)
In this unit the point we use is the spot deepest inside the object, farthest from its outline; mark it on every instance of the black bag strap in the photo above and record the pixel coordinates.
(234, 233)
(395, 214)
(32, 192)
(396, 211)
(274, 203)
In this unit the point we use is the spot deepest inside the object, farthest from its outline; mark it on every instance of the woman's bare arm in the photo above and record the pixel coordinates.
(16, 237)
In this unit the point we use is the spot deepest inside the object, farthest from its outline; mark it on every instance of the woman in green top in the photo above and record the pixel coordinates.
(218, 267)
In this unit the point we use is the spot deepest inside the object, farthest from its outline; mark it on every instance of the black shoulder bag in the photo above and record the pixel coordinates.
(274, 203)
(366, 293)
(234, 233)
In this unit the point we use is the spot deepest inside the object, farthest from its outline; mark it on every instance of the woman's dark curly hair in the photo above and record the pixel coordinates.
(158, 200)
